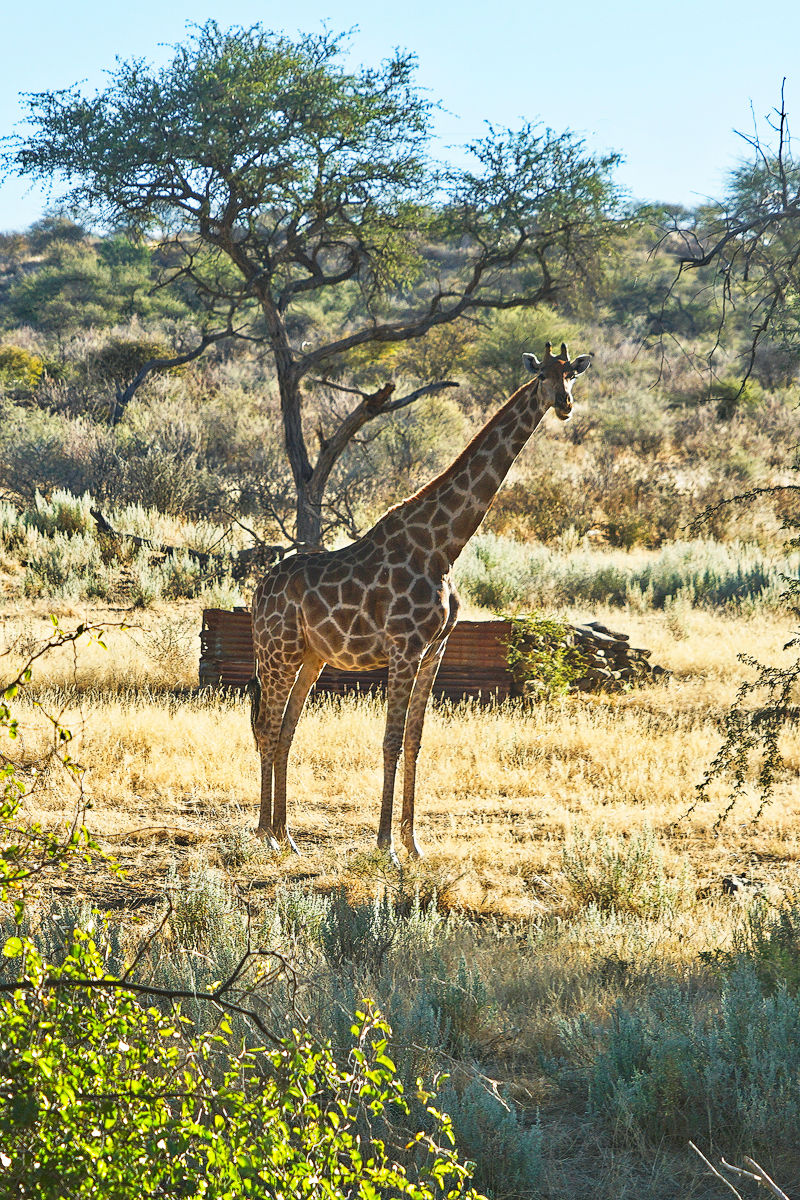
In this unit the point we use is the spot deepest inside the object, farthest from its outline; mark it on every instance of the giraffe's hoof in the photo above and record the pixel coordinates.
(413, 850)
(266, 835)
(292, 844)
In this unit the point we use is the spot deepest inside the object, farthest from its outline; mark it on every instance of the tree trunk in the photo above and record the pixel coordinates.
(308, 523)
(309, 514)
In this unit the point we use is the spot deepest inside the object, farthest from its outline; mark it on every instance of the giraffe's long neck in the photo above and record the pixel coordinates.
(452, 506)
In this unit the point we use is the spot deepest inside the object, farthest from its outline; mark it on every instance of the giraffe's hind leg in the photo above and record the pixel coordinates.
(402, 673)
(309, 673)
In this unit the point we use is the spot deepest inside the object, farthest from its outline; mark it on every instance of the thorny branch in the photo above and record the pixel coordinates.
(216, 997)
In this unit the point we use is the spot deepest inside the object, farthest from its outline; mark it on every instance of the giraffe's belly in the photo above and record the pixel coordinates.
(361, 646)
(357, 653)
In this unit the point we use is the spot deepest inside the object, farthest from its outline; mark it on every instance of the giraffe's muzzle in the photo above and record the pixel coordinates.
(563, 409)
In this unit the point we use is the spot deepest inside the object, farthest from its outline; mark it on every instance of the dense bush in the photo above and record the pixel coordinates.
(685, 1066)
(622, 876)
(100, 1096)
(19, 369)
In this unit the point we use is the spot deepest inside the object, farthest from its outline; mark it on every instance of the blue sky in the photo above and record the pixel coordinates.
(664, 85)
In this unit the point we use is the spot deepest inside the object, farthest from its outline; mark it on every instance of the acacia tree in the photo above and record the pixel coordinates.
(283, 177)
(746, 246)
(750, 242)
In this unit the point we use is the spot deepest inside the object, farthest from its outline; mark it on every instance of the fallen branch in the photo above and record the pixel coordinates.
(756, 1173)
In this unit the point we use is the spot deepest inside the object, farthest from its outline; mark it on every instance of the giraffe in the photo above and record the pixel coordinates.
(387, 599)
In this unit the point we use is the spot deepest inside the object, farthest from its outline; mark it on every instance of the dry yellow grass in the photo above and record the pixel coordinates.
(500, 788)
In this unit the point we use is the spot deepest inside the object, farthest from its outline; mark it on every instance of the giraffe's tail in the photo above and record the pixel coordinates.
(253, 690)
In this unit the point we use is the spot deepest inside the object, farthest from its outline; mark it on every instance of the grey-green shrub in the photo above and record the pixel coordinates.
(203, 914)
(69, 566)
(12, 528)
(498, 573)
(146, 581)
(490, 1131)
(680, 1066)
(622, 876)
(62, 513)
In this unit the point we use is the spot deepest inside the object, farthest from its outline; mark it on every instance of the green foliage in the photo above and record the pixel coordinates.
(495, 363)
(359, 935)
(493, 571)
(146, 581)
(541, 655)
(19, 369)
(766, 940)
(102, 1097)
(732, 395)
(624, 876)
(41, 451)
(750, 751)
(80, 287)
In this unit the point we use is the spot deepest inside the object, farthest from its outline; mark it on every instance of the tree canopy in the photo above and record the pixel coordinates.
(746, 246)
(278, 174)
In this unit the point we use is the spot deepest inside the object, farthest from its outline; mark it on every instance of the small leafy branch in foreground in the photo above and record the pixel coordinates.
(752, 735)
(102, 1097)
(26, 849)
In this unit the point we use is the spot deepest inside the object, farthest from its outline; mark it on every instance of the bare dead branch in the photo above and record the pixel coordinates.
(715, 1172)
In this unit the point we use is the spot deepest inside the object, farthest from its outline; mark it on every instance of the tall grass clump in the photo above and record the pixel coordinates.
(622, 876)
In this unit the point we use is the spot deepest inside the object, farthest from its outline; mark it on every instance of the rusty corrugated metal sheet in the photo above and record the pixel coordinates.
(474, 663)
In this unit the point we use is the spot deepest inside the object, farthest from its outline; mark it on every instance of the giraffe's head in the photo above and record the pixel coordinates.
(556, 375)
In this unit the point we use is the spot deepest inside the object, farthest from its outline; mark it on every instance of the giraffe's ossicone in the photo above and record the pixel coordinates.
(388, 599)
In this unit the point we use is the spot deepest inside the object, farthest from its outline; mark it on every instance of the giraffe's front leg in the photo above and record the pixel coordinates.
(269, 696)
(413, 737)
(402, 673)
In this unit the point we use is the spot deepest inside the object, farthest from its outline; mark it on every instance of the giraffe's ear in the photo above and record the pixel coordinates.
(581, 363)
(532, 363)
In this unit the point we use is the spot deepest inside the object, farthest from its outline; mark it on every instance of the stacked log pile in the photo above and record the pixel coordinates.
(610, 660)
